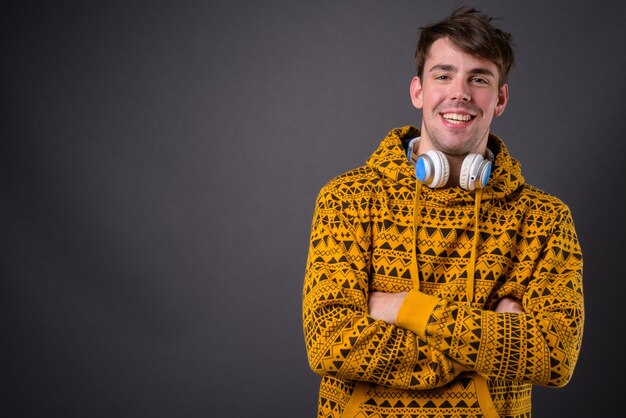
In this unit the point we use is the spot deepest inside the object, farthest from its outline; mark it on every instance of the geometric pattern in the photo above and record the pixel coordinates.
(362, 240)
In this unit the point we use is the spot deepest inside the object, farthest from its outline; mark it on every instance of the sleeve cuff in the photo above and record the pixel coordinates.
(415, 311)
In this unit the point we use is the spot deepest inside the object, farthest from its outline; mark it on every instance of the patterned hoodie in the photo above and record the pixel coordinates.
(457, 253)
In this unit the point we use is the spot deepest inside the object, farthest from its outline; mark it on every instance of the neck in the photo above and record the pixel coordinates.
(455, 162)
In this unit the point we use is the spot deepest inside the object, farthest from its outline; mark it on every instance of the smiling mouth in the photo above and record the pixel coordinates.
(457, 118)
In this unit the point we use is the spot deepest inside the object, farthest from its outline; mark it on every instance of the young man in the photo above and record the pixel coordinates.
(438, 282)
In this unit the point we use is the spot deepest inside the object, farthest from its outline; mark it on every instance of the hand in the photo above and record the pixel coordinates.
(385, 306)
(508, 304)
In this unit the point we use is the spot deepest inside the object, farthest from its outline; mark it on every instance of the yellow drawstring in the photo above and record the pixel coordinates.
(416, 219)
(472, 263)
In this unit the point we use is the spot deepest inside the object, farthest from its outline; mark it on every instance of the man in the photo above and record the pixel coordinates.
(438, 283)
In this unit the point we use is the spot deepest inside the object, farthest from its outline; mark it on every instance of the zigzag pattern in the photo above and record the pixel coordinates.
(361, 241)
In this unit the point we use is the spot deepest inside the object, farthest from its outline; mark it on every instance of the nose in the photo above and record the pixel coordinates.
(460, 90)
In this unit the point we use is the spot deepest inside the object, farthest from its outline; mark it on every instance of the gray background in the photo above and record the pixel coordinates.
(160, 162)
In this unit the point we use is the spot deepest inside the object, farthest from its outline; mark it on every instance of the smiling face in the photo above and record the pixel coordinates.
(459, 96)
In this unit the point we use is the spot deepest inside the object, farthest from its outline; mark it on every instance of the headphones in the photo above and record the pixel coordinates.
(433, 169)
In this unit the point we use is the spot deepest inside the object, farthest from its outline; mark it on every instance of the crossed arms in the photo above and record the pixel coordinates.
(385, 306)
(356, 334)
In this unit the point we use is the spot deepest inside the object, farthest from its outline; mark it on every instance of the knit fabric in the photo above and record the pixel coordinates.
(444, 358)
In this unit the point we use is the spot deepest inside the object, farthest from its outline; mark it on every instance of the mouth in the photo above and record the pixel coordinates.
(457, 118)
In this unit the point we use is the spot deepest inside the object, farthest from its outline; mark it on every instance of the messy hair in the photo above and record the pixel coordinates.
(472, 32)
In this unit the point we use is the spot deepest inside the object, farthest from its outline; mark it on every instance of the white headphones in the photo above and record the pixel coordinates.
(433, 169)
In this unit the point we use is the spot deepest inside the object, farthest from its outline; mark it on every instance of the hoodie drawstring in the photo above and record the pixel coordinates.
(416, 221)
(471, 268)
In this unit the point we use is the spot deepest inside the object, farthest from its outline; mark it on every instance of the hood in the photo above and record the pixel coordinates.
(390, 161)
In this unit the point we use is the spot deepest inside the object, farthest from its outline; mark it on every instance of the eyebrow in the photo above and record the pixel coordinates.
(453, 69)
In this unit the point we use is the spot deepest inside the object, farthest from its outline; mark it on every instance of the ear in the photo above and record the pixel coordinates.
(503, 99)
(416, 93)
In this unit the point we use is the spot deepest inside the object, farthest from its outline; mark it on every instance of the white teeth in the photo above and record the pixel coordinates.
(456, 117)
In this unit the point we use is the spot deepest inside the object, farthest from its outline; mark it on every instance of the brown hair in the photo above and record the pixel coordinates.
(472, 32)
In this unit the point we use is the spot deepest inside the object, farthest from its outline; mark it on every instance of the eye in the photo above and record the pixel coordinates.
(479, 80)
(442, 77)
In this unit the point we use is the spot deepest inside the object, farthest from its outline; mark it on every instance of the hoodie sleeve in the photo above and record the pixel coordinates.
(539, 346)
(342, 340)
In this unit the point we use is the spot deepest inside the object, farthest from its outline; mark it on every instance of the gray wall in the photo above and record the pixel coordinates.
(160, 162)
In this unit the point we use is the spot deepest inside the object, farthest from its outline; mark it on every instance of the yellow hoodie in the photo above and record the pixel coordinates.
(450, 354)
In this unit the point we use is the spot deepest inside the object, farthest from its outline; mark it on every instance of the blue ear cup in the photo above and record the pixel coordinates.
(432, 169)
(486, 172)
